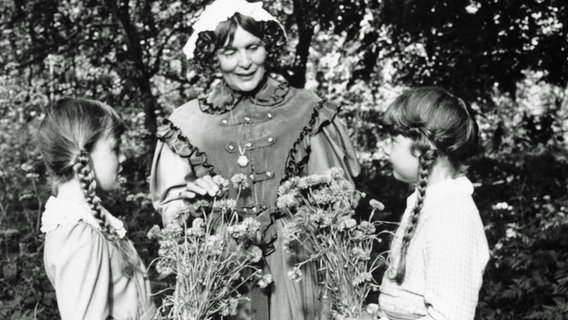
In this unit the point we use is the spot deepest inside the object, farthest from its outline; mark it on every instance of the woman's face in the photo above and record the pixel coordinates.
(242, 61)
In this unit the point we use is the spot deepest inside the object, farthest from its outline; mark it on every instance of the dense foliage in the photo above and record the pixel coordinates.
(507, 59)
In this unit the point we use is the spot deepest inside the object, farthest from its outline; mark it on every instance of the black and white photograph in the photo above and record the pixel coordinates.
(284, 159)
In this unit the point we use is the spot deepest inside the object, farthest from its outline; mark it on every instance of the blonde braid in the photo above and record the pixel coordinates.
(426, 162)
(88, 183)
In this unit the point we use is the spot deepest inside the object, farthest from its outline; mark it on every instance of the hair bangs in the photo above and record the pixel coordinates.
(399, 118)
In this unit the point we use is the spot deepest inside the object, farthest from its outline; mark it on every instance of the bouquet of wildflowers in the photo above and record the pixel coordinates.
(213, 259)
(321, 208)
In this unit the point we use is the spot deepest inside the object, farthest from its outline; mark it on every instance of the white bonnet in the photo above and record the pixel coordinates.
(221, 11)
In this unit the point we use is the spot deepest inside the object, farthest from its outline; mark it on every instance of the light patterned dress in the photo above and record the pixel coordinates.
(85, 268)
(445, 259)
(282, 132)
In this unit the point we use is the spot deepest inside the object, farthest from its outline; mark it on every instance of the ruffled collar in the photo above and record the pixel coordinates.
(61, 211)
(222, 99)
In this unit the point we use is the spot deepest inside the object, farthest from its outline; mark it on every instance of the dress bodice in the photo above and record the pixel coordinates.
(259, 135)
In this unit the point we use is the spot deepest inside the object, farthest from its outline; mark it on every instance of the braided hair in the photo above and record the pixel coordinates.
(88, 183)
(440, 125)
(66, 137)
(208, 42)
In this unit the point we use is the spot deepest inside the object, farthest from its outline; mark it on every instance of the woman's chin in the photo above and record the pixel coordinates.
(246, 87)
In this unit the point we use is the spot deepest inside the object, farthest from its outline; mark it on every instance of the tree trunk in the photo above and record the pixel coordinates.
(303, 9)
(141, 80)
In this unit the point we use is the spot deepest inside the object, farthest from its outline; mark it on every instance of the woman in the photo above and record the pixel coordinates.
(254, 124)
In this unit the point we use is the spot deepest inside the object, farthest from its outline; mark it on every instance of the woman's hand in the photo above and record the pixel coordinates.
(202, 186)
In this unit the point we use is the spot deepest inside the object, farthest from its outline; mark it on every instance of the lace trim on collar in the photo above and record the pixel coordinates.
(173, 137)
(324, 114)
(61, 211)
(224, 99)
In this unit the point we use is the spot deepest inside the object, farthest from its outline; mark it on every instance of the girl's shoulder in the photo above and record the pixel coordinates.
(456, 214)
(457, 206)
(73, 241)
(74, 234)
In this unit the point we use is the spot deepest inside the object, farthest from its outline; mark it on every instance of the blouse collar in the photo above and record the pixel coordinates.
(60, 211)
(222, 99)
(437, 192)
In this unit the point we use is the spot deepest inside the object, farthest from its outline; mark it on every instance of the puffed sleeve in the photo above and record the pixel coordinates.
(168, 177)
(455, 255)
(328, 143)
(78, 263)
(176, 162)
(332, 147)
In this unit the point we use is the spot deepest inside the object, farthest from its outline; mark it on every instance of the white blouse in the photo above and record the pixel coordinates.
(85, 268)
(445, 259)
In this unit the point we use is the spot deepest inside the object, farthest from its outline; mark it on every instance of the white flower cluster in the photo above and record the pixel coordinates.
(502, 206)
(323, 230)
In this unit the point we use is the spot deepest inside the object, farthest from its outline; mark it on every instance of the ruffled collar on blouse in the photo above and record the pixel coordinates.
(222, 99)
(61, 211)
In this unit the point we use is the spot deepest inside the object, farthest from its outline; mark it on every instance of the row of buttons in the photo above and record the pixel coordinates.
(246, 119)
(260, 143)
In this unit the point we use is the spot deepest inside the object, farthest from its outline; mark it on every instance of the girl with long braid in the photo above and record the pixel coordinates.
(440, 251)
(93, 267)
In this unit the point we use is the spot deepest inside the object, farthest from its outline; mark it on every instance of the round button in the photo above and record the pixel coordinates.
(231, 147)
(224, 121)
(247, 119)
(270, 139)
(269, 115)
(269, 174)
(248, 144)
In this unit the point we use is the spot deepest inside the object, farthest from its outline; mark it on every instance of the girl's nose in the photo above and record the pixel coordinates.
(385, 147)
(121, 157)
